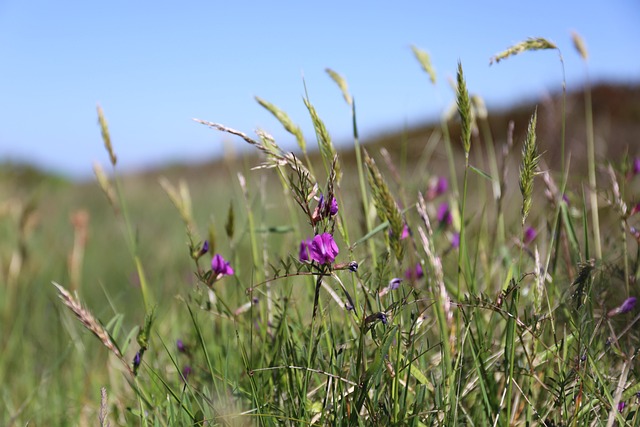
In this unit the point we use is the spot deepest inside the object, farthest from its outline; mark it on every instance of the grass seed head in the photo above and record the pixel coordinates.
(104, 129)
(464, 110)
(425, 61)
(530, 44)
(581, 47)
(530, 160)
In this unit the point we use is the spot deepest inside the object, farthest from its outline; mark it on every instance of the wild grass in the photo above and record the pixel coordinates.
(337, 288)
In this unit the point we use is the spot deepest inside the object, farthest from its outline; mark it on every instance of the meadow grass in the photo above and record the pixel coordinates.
(329, 288)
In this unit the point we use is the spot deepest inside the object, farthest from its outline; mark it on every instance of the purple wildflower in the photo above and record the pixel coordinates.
(321, 209)
(405, 232)
(186, 371)
(529, 234)
(636, 166)
(323, 249)
(221, 267)
(437, 187)
(303, 255)
(455, 240)
(621, 405)
(628, 305)
(444, 214)
(137, 359)
(414, 273)
(333, 208)
(204, 249)
(394, 283)
(181, 347)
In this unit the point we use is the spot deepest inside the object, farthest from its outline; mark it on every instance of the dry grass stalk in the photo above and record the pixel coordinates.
(102, 416)
(80, 221)
(89, 322)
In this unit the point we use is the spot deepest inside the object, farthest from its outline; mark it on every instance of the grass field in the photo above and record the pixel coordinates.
(464, 273)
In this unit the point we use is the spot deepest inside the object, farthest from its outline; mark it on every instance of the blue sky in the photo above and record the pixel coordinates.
(153, 66)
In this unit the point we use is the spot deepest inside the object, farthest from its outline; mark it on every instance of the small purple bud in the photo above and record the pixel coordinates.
(137, 359)
(204, 249)
(303, 255)
(405, 232)
(565, 199)
(186, 371)
(455, 240)
(181, 347)
(394, 283)
(444, 215)
(333, 209)
(635, 209)
(636, 166)
(628, 305)
(529, 234)
(383, 318)
(414, 273)
(621, 405)
(437, 187)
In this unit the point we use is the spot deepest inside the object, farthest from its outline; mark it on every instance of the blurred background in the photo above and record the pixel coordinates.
(155, 66)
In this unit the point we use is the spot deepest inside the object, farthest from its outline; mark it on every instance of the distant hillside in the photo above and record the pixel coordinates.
(616, 122)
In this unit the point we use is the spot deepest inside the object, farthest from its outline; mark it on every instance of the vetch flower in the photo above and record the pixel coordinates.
(455, 240)
(437, 187)
(393, 285)
(621, 405)
(220, 267)
(321, 210)
(137, 359)
(628, 305)
(414, 273)
(204, 249)
(303, 254)
(181, 347)
(444, 214)
(333, 207)
(323, 249)
(405, 232)
(635, 169)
